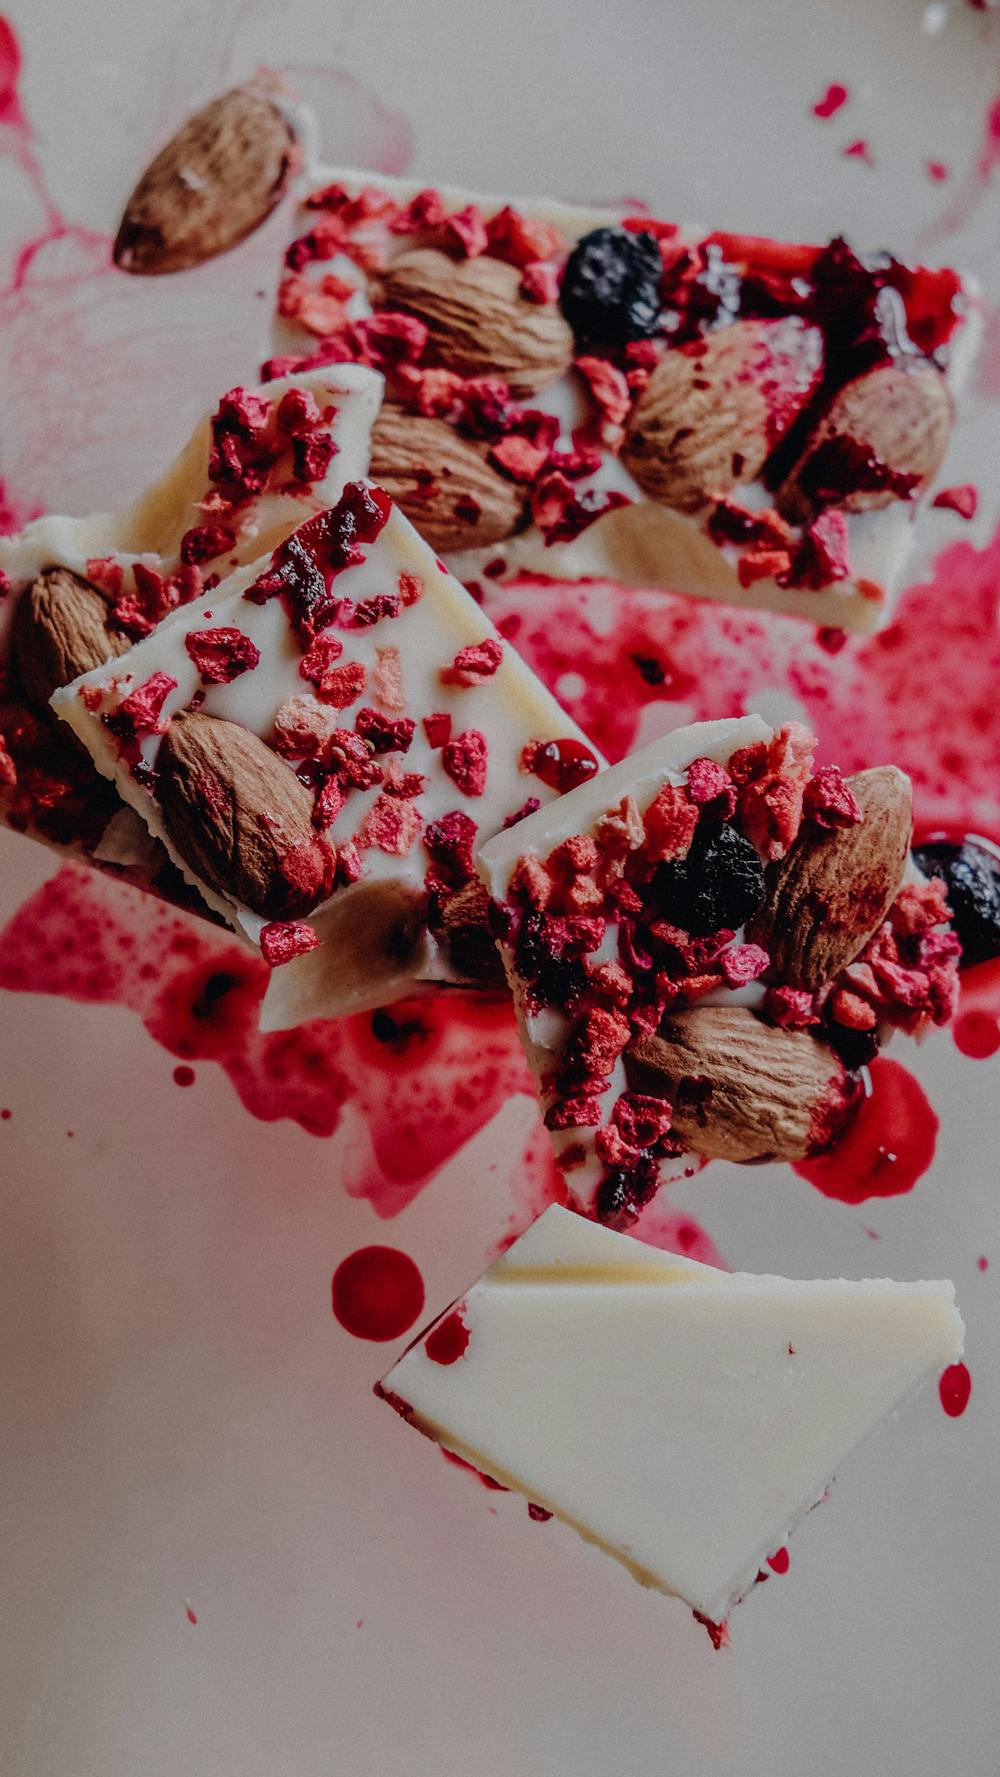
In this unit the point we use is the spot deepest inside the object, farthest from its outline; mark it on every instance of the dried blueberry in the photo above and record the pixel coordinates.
(611, 287)
(719, 884)
(971, 875)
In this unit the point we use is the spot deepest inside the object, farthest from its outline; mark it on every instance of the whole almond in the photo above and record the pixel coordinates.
(478, 322)
(893, 421)
(711, 414)
(832, 890)
(442, 482)
(60, 630)
(240, 818)
(740, 1089)
(215, 181)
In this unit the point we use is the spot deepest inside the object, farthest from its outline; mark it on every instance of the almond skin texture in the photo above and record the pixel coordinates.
(832, 890)
(442, 482)
(711, 415)
(740, 1089)
(235, 811)
(212, 185)
(60, 630)
(899, 417)
(478, 322)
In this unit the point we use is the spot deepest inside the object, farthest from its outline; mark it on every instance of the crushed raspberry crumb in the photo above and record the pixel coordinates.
(411, 588)
(466, 230)
(140, 714)
(316, 664)
(829, 801)
(530, 806)
(343, 685)
(791, 1007)
(521, 240)
(391, 825)
(669, 823)
(387, 679)
(465, 760)
(743, 963)
(328, 804)
(475, 664)
(106, 575)
(770, 804)
(540, 283)
(518, 458)
(282, 940)
(561, 514)
(449, 841)
(424, 211)
(221, 655)
(964, 500)
(710, 786)
(437, 729)
(385, 734)
(311, 457)
(608, 389)
(762, 564)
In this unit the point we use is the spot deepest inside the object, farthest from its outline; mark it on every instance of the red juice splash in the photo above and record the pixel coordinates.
(377, 1293)
(888, 1144)
(955, 1389)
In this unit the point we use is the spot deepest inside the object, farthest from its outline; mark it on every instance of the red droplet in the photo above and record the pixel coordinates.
(190, 1614)
(977, 1034)
(955, 1387)
(6, 1115)
(938, 171)
(983, 1262)
(449, 1340)
(778, 1562)
(859, 150)
(377, 1293)
(888, 1144)
(183, 1075)
(538, 1513)
(835, 96)
(562, 764)
(718, 1633)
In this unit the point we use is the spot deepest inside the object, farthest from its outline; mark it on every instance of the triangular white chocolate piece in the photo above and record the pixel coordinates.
(682, 1417)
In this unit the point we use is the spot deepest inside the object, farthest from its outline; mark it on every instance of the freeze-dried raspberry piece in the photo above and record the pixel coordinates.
(298, 413)
(573, 855)
(390, 338)
(918, 906)
(964, 500)
(475, 664)
(139, 714)
(391, 825)
(608, 389)
(282, 940)
(466, 230)
(367, 612)
(351, 758)
(242, 412)
(609, 983)
(411, 589)
(437, 729)
(303, 570)
(620, 829)
(137, 610)
(729, 522)
(770, 806)
(520, 239)
(530, 806)
(518, 457)
(312, 456)
(642, 1120)
(829, 801)
(329, 802)
(574, 1113)
(747, 763)
(596, 1043)
(403, 783)
(316, 664)
(824, 554)
(106, 575)
(383, 733)
(540, 283)
(465, 759)
(791, 1007)
(710, 786)
(743, 963)
(576, 463)
(762, 564)
(669, 824)
(387, 679)
(425, 210)
(308, 868)
(449, 841)
(221, 655)
(850, 1010)
(560, 513)
(531, 882)
(343, 685)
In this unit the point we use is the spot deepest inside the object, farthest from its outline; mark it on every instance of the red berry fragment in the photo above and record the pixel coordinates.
(964, 500)
(221, 655)
(475, 664)
(139, 714)
(282, 940)
(465, 760)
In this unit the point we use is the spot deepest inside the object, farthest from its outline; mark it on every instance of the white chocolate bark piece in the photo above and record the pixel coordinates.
(254, 468)
(845, 574)
(399, 663)
(682, 1418)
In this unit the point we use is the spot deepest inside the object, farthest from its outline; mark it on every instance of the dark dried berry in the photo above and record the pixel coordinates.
(719, 884)
(971, 875)
(855, 1048)
(625, 1190)
(611, 287)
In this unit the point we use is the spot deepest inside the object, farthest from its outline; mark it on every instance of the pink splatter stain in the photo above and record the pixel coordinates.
(832, 101)
(937, 171)
(859, 150)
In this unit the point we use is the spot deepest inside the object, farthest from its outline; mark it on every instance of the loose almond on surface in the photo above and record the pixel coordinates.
(832, 890)
(711, 415)
(216, 181)
(240, 818)
(883, 438)
(741, 1089)
(60, 630)
(478, 322)
(442, 482)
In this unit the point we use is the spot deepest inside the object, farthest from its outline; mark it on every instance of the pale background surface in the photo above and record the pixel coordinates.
(182, 1419)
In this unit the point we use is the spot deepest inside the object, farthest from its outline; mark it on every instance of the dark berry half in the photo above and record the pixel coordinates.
(611, 287)
(971, 875)
(720, 882)
(624, 1192)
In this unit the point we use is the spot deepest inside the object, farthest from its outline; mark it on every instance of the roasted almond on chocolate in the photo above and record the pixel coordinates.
(216, 181)
(883, 439)
(239, 816)
(712, 413)
(833, 889)
(442, 482)
(60, 630)
(477, 320)
(739, 1089)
